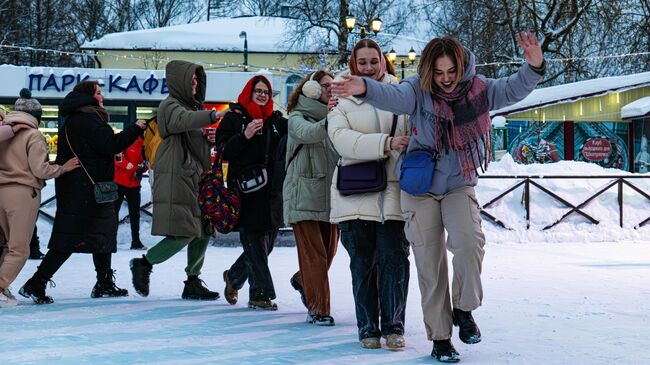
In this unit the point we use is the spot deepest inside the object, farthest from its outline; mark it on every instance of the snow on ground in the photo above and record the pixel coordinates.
(573, 303)
(575, 294)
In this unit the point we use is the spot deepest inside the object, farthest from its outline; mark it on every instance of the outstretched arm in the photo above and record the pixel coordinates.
(396, 98)
(509, 90)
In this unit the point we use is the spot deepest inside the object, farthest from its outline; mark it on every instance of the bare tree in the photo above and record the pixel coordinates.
(162, 13)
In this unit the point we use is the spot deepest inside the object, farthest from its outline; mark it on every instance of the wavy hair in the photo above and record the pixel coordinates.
(436, 48)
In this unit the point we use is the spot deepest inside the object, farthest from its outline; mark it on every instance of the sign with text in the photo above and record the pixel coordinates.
(597, 149)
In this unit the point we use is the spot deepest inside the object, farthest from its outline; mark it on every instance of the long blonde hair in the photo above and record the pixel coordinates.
(436, 48)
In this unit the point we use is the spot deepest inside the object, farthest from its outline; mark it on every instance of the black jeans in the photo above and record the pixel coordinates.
(380, 274)
(53, 261)
(133, 200)
(253, 264)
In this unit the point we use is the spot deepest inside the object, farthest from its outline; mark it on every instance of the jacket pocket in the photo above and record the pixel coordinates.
(311, 194)
(412, 229)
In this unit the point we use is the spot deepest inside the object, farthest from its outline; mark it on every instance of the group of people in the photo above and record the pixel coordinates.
(334, 122)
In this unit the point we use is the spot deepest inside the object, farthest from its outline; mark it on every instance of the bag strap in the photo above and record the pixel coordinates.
(394, 127)
(67, 138)
(295, 153)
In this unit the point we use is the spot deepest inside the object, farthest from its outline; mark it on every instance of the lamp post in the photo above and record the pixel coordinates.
(245, 37)
(351, 22)
(392, 57)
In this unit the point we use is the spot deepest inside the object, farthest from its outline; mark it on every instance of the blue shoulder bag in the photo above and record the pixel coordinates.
(416, 172)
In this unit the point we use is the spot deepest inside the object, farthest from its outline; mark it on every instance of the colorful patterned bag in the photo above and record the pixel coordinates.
(219, 204)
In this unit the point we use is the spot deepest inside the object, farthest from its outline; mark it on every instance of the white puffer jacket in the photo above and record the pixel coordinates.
(359, 133)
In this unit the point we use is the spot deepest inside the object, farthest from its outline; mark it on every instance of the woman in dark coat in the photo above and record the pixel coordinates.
(81, 224)
(249, 135)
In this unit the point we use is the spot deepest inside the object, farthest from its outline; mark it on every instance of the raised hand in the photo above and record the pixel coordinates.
(350, 85)
(532, 50)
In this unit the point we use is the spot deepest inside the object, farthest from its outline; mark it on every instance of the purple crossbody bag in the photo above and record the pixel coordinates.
(365, 177)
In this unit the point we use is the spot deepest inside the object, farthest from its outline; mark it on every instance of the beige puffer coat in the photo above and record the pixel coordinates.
(359, 133)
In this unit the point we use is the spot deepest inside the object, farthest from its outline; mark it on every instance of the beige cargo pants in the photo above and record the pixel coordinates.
(18, 209)
(427, 218)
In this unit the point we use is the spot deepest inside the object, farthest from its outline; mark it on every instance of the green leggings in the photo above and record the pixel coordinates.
(171, 245)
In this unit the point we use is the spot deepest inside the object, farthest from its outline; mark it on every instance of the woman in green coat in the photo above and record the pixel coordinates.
(311, 160)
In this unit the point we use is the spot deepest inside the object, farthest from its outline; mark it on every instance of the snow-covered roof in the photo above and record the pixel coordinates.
(265, 35)
(637, 108)
(576, 91)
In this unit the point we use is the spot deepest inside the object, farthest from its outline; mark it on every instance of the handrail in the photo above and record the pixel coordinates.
(527, 180)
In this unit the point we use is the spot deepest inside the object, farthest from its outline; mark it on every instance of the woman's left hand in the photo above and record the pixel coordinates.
(532, 50)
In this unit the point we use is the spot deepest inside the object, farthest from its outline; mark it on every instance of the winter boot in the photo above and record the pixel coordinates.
(319, 320)
(229, 291)
(106, 287)
(444, 351)
(266, 305)
(370, 343)
(395, 341)
(137, 245)
(296, 285)
(35, 249)
(468, 330)
(141, 271)
(195, 289)
(7, 299)
(35, 288)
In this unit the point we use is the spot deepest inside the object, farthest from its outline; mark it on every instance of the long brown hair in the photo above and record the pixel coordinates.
(390, 68)
(86, 87)
(297, 90)
(436, 48)
(365, 43)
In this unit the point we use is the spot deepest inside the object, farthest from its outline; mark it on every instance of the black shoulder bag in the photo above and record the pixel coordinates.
(104, 191)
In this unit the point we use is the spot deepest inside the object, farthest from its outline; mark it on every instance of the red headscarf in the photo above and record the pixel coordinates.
(245, 99)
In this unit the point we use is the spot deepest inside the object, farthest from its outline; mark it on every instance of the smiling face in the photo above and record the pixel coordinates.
(368, 62)
(326, 88)
(445, 74)
(260, 94)
(99, 96)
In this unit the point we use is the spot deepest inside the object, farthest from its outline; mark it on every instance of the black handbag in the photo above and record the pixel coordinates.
(254, 177)
(365, 177)
(104, 191)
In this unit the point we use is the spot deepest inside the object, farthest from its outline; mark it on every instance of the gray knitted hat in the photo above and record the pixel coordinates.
(28, 105)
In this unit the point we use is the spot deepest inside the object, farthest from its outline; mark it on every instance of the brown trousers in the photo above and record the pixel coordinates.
(316, 242)
(18, 209)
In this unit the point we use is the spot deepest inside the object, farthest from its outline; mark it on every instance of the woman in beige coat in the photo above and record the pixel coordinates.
(371, 224)
(23, 170)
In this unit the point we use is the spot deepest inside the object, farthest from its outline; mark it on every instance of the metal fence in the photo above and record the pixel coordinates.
(527, 180)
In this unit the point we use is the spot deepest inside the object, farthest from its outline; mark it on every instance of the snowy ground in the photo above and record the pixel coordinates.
(544, 304)
(575, 294)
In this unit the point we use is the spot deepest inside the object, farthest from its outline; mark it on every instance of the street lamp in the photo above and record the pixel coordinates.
(245, 37)
(351, 22)
(392, 57)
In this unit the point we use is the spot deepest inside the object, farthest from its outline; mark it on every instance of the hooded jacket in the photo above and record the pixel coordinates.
(306, 190)
(182, 155)
(360, 133)
(408, 97)
(23, 159)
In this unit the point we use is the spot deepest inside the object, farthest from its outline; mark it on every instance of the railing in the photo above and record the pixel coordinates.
(528, 180)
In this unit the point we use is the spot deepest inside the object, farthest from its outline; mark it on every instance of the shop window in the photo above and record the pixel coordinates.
(119, 116)
(602, 143)
(536, 142)
(641, 137)
(290, 84)
(145, 112)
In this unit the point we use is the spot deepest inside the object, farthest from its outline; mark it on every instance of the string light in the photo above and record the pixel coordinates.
(304, 70)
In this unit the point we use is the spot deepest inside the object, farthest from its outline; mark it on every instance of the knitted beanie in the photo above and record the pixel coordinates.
(28, 105)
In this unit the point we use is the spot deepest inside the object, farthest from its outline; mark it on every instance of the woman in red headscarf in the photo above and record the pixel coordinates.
(248, 137)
